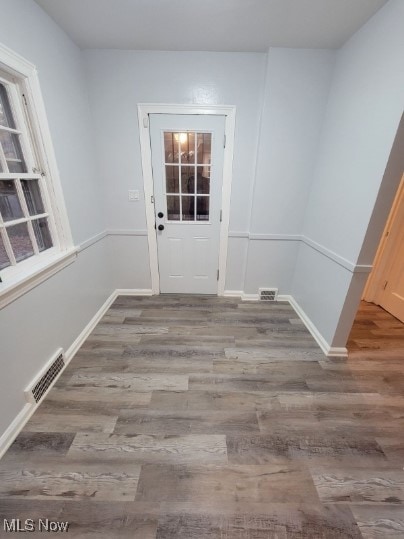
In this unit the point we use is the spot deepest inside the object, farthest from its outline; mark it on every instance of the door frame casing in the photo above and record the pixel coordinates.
(229, 112)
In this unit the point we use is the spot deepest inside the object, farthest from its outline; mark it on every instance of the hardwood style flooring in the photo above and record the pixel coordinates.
(376, 334)
(208, 418)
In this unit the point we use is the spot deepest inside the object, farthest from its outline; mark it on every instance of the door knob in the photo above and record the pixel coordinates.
(161, 227)
(160, 214)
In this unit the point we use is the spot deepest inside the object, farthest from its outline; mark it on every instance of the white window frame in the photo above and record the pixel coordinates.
(23, 85)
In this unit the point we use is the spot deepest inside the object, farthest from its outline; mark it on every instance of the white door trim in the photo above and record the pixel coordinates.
(229, 111)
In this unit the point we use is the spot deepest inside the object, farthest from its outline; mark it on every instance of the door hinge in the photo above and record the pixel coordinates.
(224, 141)
(221, 215)
(146, 121)
(24, 99)
(385, 284)
(152, 199)
(217, 274)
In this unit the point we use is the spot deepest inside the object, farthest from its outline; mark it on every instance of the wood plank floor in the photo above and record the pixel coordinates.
(376, 334)
(208, 418)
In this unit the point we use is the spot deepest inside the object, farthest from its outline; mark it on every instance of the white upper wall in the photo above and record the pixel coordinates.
(119, 80)
(363, 114)
(296, 93)
(28, 30)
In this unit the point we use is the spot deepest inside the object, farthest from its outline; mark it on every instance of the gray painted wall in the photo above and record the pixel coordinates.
(280, 100)
(295, 97)
(362, 116)
(54, 313)
(118, 81)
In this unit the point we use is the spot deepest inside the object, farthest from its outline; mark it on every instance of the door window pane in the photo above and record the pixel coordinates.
(203, 182)
(171, 147)
(32, 194)
(6, 118)
(188, 175)
(172, 179)
(188, 179)
(204, 142)
(20, 241)
(42, 234)
(10, 207)
(173, 208)
(4, 260)
(188, 208)
(202, 208)
(187, 144)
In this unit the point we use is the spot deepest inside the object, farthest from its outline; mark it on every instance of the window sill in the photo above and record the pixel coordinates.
(32, 275)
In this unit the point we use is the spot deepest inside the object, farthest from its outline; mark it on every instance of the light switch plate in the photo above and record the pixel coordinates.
(133, 195)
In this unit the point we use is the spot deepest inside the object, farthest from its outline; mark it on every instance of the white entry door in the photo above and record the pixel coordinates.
(187, 160)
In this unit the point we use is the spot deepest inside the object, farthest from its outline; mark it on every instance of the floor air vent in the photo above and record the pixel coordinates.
(268, 294)
(38, 387)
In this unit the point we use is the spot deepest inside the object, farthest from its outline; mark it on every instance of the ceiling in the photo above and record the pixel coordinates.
(210, 25)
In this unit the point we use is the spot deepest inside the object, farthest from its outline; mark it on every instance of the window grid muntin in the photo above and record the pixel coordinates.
(195, 165)
(26, 139)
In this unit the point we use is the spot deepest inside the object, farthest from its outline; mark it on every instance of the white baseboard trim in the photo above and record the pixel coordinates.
(232, 293)
(134, 292)
(24, 415)
(13, 430)
(329, 351)
(74, 347)
(249, 297)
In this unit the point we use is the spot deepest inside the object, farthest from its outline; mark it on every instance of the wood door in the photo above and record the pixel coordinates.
(187, 159)
(387, 281)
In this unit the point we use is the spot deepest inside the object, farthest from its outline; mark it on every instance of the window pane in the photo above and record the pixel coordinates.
(33, 197)
(6, 118)
(172, 181)
(12, 150)
(188, 179)
(202, 208)
(173, 208)
(10, 207)
(171, 149)
(204, 148)
(203, 183)
(10, 144)
(4, 260)
(187, 142)
(42, 234)
(188, 208)
(16, 167)
(20, 241)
